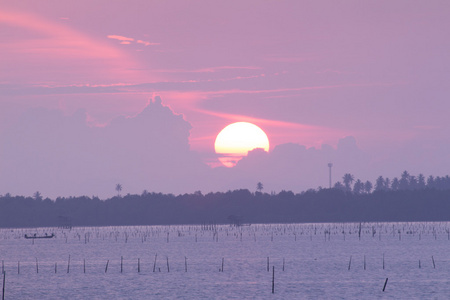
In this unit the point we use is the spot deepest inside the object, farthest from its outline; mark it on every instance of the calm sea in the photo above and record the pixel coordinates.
(308, 261)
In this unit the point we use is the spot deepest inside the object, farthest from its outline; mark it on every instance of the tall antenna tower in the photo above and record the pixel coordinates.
(330, 165)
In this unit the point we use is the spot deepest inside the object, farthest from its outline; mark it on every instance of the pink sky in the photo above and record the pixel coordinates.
(308, 73)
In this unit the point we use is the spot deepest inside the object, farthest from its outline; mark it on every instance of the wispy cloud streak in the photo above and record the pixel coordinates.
(243, 118)
(127, 40)
(69, 56)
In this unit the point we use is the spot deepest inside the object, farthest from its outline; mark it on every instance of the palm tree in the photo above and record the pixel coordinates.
(395, 184)
(368, 186)
(421, 181)
(348, 180)
(404, 181)
(339, 186)
(358, 187)
(118, 189)
(259, 187)
(37, 196)
(413, 183)
(387, 184)
(430, 182)
(380, 184)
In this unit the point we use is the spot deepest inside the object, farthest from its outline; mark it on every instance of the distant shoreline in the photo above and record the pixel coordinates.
(233, 207)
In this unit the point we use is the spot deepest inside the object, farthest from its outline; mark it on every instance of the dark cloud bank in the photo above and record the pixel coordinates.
(62, 156)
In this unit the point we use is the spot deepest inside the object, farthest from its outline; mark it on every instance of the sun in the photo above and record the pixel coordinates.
(237, 139)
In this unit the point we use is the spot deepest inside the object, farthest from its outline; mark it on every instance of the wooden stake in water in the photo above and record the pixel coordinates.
(364, 262)
(273, 279)
(121, 264)
(84, 265)
(18, 267)
(383, 261)
(56, 267)
(283, 264)
(68, 265)
(139, 265)
(384, 287)
(4, 281)
(434, 266)
(350, 263)
(185, 264)
(168, 269)
(267, 264)
(222, 264)
(37, 266)
(106, 268)
(419, 265)
(154, 264)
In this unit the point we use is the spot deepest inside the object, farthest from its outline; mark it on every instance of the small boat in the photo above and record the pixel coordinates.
(34, 236)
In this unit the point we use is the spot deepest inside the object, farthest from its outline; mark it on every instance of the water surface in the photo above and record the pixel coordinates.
(320, 261)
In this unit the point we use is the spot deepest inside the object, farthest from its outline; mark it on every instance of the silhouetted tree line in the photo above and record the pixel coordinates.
(412, 199)
(405, 182)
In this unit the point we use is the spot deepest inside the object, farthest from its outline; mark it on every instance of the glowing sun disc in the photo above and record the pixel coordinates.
(237, 139)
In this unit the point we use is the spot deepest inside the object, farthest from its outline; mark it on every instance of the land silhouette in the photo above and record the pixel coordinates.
(408, 198)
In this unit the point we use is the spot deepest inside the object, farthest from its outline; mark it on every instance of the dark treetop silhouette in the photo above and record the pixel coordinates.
(409, 198)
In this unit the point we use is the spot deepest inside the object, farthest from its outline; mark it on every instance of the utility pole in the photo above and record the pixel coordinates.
(330, 165)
